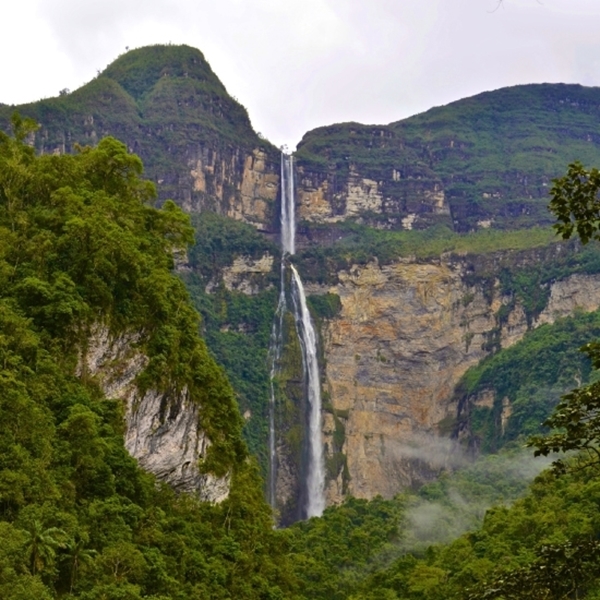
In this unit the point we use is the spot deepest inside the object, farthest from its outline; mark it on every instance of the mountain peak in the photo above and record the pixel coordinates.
(139, 70)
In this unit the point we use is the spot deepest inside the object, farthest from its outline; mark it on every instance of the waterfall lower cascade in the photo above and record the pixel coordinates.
(315, 472)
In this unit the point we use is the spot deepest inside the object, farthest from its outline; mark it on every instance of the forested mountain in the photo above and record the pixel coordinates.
(485, 161)
(81, 249)
(449, 319)
(166, 104)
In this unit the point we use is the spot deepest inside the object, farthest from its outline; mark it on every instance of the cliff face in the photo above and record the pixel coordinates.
(368, 200)
(405, 335)
(392, 196)
(480, 162)
(162, 430)
(238, 183)
(577, 292)
(393, 354)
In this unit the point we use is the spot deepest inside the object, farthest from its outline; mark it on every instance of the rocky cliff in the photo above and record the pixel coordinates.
(406, 334)
(481, 162)
(396, 343)
(485, 161)
(162, 430)
(401, 198)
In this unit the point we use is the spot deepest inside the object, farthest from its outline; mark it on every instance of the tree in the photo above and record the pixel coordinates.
(77, 554)
(42, 545)
(576, 204)
(559, 572)
(568, 569)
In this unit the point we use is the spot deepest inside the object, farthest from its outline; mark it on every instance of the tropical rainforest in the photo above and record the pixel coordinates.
(84, 242)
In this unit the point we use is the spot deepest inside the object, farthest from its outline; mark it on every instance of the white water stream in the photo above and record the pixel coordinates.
(315, 480)
(315, 472)
(274, 356)
(288, 209)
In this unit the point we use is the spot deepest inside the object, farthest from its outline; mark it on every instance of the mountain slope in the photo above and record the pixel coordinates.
(82, 251)
(167, 105)
(478, 162)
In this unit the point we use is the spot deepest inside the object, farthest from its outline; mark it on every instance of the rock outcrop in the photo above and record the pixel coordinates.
(473, 164)
(577, 292)
(396, 200)
(240, 184)
(244, 275)
(162, 431)
(405, 335)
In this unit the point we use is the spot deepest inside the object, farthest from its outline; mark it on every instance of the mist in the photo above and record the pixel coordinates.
(457, 503)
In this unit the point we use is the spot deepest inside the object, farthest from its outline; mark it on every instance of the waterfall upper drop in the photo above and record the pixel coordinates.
(314, 471)
(288, 209)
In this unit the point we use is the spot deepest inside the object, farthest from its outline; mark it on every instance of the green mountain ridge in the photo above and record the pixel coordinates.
(494, 154)
(165, 103)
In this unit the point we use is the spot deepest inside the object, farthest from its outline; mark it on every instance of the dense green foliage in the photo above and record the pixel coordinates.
(219, 240)
(575, 203)
(510, 545)
(237, 326)
(360, 244)
(531, 376)
(360, 541)
(494, 154)
(81, 246)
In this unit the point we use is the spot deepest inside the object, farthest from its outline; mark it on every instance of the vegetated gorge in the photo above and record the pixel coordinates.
(386, 317)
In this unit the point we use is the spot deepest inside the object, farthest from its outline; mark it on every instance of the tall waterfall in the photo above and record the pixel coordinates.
(315, 480)
(288, 209)
(275, 355)
(315, 472)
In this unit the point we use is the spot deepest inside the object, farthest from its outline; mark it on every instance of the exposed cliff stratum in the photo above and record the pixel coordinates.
(162, 428)
(405, 335)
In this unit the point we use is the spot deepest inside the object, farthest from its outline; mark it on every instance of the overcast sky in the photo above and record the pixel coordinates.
(300, 64)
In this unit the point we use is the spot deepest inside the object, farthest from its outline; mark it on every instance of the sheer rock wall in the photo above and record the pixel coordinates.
(405, 335)
(162, 431)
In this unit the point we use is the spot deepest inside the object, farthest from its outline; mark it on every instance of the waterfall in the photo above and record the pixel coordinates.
(315, 480)
(288, 211)
(275, 346)
(315, 472)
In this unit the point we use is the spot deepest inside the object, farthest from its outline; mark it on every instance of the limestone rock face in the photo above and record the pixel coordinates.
(578, 292)
(244, 275)
(405, 335)
(393, 202)
(243, 187)
(162, 431)
(257, 192)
